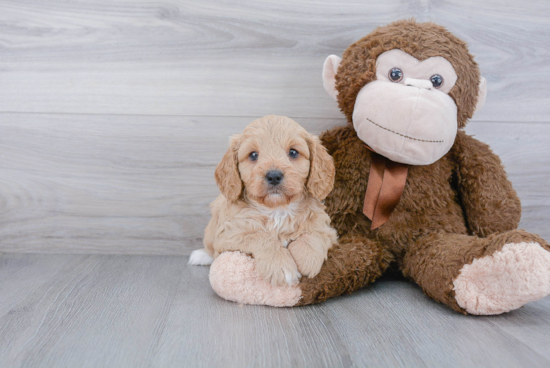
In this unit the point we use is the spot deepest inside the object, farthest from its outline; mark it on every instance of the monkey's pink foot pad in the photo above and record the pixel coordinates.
(505, 280)
(233, 276)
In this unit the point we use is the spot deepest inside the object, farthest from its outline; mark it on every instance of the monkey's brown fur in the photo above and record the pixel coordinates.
(421, 40)
(459, 208)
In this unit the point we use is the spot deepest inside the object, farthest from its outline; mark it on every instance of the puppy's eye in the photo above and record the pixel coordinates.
(436, 80)
(395, 75)
(293, 153)
(253, 156)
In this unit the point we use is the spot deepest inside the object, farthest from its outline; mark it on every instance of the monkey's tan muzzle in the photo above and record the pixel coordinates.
(410, 124)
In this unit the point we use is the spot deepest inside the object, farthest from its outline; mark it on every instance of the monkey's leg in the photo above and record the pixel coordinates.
(351, 265)
(482, 276)
(354, 263)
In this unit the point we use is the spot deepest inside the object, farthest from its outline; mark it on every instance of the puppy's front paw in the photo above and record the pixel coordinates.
(308, 259)
(279, 269)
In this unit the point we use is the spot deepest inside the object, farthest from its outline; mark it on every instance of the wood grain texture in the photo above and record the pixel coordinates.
(114, 113)
(249, 58)
(113, 116)
(141, 184)
(111, 184)
(152, 311)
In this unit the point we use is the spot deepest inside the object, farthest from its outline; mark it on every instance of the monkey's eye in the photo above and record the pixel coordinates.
(253, 156)
(293, 153)
(436, 80)
(395, 75)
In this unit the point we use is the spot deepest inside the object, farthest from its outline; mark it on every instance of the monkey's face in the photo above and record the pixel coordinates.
(406, 114)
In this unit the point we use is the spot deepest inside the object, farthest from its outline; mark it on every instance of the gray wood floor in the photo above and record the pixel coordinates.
(155, 311)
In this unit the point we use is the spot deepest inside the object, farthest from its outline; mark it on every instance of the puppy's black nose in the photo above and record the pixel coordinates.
(274, 177)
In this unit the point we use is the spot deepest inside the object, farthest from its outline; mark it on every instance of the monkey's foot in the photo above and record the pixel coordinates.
(233, 276)
(517, 274)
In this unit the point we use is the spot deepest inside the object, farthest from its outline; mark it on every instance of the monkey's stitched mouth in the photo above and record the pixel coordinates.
(403, 135)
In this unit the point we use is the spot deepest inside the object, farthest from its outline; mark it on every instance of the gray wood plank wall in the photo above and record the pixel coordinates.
(113, 114)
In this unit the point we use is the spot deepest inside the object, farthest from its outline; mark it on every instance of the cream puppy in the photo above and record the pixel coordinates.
(272, 179)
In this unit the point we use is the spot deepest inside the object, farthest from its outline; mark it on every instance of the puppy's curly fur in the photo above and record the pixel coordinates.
(284, 227)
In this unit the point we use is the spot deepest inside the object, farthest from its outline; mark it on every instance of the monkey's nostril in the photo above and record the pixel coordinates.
(274, 177)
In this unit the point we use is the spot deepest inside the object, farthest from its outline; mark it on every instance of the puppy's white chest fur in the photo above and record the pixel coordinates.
(279, 218)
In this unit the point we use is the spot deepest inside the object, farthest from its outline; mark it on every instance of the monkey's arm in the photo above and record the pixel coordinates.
(352, 264)
(356, 260)
(352, 163)
(490, 203)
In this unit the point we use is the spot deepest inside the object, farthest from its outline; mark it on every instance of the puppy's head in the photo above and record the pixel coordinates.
(275, 162)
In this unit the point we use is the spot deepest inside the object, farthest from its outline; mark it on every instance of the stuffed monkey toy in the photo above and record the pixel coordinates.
(413, 191)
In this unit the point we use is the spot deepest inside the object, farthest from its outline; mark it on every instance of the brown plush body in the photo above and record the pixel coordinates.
(454, 229)
(429, 234)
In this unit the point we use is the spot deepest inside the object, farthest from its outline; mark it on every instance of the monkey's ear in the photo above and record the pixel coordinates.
(330, 67)
(321, 169)
(227, 172)
(481, 94)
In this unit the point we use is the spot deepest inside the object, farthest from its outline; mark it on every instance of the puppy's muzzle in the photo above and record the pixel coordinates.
(274, 177)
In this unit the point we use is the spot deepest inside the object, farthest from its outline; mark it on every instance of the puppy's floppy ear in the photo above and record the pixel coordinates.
(321, 169)
(227, 172)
